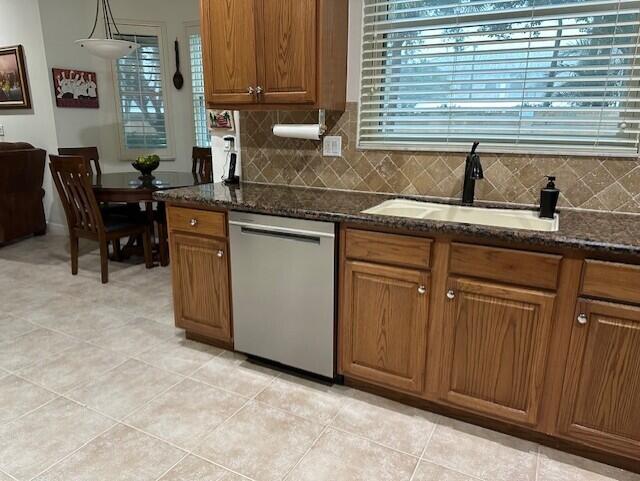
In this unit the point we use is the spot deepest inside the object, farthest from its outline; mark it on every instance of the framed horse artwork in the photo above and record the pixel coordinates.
(75, 88)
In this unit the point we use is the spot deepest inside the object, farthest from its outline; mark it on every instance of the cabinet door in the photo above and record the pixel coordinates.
(287, 51)
(201, 285)
(228, 49)
(384, 324)
(601, 395)
(495, 348)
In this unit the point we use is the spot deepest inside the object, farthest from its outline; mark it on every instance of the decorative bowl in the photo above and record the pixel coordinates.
(146, 164)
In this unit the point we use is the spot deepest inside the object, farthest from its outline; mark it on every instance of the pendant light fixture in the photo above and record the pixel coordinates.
(108, 47)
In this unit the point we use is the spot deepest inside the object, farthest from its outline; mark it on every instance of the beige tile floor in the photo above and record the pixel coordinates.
(97, 385)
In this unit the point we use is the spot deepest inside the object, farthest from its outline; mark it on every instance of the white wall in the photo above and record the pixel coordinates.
(19, 23)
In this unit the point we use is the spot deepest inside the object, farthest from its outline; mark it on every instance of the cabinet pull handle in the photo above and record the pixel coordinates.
(451, 294)
(583, 319)
(259, 90)
(251, 90)
(422, 290)
(220, 253)
(193, 222)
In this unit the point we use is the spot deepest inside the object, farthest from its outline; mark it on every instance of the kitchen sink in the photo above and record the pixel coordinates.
(509, 218)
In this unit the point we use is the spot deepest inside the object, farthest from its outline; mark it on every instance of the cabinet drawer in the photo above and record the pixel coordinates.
(388, 248)
(532, 269)
(197, 221)
(610, 280)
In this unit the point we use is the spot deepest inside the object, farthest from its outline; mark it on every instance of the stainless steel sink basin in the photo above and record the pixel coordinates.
(509, 218)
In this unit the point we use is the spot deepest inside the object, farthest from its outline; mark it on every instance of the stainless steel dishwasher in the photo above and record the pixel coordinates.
(283, 284)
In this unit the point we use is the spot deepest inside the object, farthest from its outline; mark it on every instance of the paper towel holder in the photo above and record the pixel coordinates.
(322, 115)
(321, 121)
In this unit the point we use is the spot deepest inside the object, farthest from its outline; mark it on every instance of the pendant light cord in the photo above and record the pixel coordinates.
(115, 25)
(107, 17)
(95, 22)
(107, 27)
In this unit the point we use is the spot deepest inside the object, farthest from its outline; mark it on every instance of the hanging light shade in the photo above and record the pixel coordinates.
(108, 47)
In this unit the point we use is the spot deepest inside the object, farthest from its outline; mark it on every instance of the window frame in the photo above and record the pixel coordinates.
(444, 146)
(159, 29)
(191, 28)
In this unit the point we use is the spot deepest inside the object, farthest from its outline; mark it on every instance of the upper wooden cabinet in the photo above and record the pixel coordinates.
(228, 50)
(275, 54)
(495, 348)
(601, 394)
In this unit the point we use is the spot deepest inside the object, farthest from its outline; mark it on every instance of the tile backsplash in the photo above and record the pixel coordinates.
(585, 182)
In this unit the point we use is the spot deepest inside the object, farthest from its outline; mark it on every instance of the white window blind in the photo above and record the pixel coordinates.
(202, 137)
(141, 98)
(556, 76)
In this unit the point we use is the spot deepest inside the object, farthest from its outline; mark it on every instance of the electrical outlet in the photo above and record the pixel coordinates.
(332, 146)
(1, 130)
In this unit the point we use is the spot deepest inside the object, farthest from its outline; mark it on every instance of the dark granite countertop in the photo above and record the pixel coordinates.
(595, 231)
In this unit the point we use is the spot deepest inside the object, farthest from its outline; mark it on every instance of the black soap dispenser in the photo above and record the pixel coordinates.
(549, 199)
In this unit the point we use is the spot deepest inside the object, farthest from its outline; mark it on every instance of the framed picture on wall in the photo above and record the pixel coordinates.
(220, 119)
(75, 88)
(14, 85)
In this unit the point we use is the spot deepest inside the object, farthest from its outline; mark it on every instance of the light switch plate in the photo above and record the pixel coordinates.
(1, 130)
(332, 146)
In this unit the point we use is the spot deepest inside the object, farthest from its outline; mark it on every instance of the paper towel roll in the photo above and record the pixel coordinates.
(298, 131)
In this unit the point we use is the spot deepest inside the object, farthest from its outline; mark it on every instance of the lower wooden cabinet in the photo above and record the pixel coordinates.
(495, 344)
(601, 394)
(384, 324)
(201, 285)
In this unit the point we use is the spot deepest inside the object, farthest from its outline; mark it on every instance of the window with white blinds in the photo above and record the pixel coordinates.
(550, 76)
(202, 136)
(141, 97)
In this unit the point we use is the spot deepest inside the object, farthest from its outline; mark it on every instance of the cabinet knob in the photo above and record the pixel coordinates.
(259, 90)
(422, 289)
(220, 253)
(251, 90)
(193, 222)
(451, 294)
(582, 319)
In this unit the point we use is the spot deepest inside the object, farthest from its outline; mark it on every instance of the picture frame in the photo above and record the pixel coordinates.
(14, 83)
(220, 120)
(75, 88)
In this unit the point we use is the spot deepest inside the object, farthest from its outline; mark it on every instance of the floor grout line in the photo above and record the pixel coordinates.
(202, 458)
(57, 396)
(424, 450)
(537, 475)
(315, 441)
(344, 431)
(9, 476)
(169, 470)
(64, 458)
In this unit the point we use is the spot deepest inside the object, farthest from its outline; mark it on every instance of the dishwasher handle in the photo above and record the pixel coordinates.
(281, 232)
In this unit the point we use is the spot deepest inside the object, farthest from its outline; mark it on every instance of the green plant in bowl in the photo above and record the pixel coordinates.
(146, 164)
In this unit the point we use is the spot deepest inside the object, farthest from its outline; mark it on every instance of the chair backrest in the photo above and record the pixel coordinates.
(72, 178)
(202, 161)
(90, 154)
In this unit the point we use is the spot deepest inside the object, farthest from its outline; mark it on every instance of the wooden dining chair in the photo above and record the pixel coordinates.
(92, 157)
(72, 179)
(202, 161)
(90, 154)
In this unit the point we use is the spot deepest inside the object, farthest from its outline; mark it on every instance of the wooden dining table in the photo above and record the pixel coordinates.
(131, 187)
